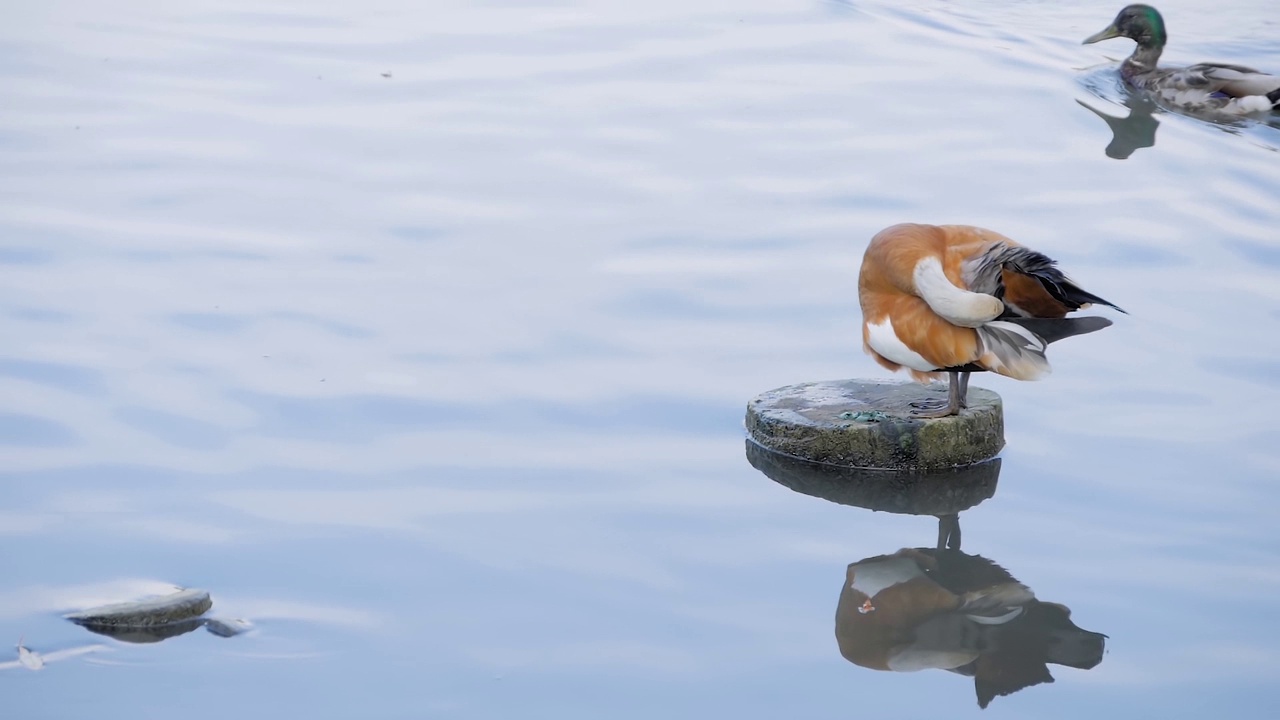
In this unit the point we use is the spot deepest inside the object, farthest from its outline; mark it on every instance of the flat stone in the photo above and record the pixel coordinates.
(868, 423)
(909, 492)
(178, 607)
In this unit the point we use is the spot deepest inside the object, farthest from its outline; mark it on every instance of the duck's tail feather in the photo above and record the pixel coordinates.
(1009, 349)
(1014, 347)
(1053, 330)
(1274, 97)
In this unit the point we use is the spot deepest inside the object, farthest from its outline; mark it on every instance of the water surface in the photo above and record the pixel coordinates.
(420, 335)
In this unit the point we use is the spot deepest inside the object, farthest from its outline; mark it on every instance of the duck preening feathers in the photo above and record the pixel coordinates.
(961, 299)
(1205, 87)
(921, 608)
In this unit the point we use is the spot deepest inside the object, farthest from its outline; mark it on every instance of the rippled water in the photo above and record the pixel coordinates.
(420, 335)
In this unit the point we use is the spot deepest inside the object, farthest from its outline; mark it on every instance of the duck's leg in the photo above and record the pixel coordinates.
(949, 532)
(955, 400)
(964, 389)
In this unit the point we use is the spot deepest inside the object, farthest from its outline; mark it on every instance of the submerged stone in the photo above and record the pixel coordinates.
(868, 423)
(179, 607)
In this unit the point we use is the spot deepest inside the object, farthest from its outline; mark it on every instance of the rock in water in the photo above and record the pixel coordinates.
(868, 423)
(169, 609)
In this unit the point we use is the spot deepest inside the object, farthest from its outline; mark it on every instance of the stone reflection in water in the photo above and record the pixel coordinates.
(152, 634)
(938, 607)
(1132, 132)
(222, 627)
(908, 492)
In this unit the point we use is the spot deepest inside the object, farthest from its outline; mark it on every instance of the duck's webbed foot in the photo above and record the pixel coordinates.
(947, 409)
(957, 389)
(930, 404)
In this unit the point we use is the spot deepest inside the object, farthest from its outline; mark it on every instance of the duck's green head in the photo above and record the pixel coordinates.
(1142, 23)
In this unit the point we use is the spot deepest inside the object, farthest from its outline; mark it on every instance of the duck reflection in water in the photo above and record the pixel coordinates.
(1137, 129)
(1132, 132)
(937, 607)
(944, 609)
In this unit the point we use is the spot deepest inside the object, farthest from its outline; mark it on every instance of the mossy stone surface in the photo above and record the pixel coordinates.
(868, 423)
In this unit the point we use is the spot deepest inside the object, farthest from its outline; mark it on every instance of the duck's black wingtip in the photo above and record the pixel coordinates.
(1083, 296)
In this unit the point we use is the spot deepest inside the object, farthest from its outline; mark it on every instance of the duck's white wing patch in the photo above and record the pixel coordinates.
(956, 306)
(870, 578)
(884, 340)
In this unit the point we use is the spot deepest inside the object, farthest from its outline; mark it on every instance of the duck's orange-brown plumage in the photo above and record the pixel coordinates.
(886, 289)
(1028, 294)
(868, 629)
(921, 329)
(897, 309)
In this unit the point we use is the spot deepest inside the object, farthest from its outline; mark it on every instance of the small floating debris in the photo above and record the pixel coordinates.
(226, 628)
(33, 660)
(28, 659)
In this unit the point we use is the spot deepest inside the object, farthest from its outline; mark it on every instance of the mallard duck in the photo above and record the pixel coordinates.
(961, 299)
(1212, 87)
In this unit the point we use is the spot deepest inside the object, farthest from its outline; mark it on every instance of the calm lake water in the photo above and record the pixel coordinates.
(420, 334)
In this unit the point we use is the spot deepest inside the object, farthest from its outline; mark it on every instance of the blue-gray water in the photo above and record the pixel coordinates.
(438, 377)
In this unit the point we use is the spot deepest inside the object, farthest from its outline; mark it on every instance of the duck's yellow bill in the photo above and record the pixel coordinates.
(1110, 32)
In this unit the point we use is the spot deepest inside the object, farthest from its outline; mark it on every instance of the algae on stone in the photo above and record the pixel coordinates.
(821, 421)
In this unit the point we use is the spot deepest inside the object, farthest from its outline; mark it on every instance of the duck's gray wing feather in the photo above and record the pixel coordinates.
(1233, 80)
